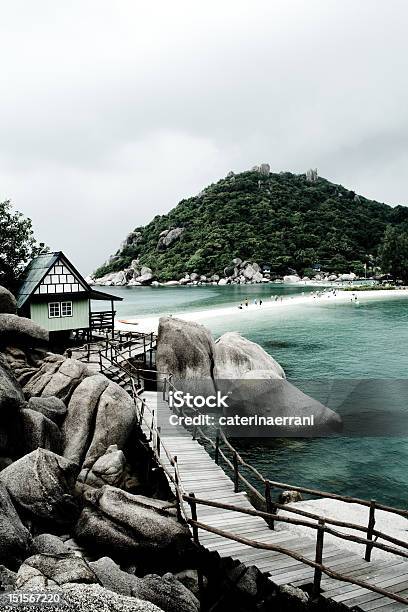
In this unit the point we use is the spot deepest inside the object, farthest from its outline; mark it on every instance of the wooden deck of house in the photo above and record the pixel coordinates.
(199, 474)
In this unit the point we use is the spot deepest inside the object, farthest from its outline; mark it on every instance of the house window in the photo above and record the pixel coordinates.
(66, 309)
(59, 309)
(54, 310)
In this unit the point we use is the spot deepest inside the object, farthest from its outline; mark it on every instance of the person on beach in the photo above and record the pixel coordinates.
(260, 301)
(246, 301)
(255, 302)
(240, 306)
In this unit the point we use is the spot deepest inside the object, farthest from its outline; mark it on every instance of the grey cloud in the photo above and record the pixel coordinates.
(112, 112)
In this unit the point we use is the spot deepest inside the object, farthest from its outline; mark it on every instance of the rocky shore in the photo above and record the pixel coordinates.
(84, 510)
(237, 273)
(78, 511)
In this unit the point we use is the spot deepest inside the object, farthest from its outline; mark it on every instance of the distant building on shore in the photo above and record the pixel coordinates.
(56, 296)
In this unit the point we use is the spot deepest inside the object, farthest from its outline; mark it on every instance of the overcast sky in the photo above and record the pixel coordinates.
(114, 110)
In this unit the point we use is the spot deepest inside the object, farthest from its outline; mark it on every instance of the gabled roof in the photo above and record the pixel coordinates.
(38, 269)
(33, 275)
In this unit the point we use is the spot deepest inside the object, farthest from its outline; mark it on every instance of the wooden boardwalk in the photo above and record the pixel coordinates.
(200, 475)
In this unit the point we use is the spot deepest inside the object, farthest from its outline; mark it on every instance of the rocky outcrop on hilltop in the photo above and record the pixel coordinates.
(168, 237)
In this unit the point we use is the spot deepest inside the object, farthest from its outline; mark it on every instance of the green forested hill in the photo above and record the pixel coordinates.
(277, 219)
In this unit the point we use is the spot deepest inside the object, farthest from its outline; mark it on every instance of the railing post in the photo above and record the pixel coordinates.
(195, 432)
(217, 447)
(193, 507)
(170, 382)
(318, 559)
(371, 523)
(176, 480)
(158, 441)
(164, 388)
(236, 472)
(268, 503)
(100, 361)
(151, 428)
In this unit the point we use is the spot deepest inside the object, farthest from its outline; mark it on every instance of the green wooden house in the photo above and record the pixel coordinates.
(56, 296)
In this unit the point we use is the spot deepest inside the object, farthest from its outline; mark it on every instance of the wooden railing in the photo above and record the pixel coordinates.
(322, 525)
(149, 418)
(129, 345)
(102, 319)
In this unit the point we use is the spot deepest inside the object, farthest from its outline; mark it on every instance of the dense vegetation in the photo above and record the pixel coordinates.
(278, 219)
(17, 243)
(394, 252)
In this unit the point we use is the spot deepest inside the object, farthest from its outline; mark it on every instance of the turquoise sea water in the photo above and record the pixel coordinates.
(316, 341)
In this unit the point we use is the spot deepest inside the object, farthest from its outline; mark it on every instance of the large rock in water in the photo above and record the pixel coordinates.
(258, 394)
(41, 483)
(14, 537)
(186, 350)
(7, 301)
(236, 356)
(19, 331)
(120, 523)
(256, 386)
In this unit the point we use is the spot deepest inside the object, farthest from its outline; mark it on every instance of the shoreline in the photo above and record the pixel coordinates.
(150, 324)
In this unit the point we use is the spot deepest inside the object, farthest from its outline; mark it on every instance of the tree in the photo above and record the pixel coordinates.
(394, 253)
(17, 243)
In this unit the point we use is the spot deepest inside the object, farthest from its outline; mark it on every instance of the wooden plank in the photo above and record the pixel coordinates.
(380, 581)
(231, 545)
(384, 603)
(381, 575)
(366, 574)
(276, 571)
(393, 606)
(375, 600)
(305, 572)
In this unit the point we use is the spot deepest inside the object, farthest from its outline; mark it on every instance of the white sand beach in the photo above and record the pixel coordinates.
(329, 296)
